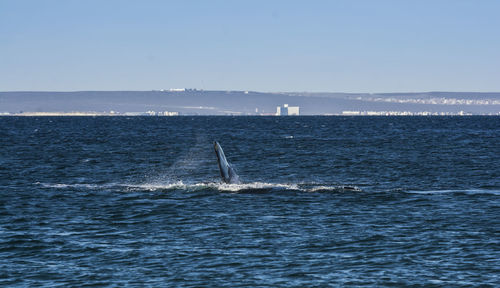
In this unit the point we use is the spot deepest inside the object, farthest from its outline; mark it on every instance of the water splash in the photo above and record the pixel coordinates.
(217, 186)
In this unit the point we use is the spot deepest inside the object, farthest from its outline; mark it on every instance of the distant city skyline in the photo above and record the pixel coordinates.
(206, 102)
(333, 46)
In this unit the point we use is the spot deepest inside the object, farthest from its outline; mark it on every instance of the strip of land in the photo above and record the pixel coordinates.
(174, 102)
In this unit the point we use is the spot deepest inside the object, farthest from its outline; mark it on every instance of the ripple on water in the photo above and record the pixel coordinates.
(345, 201)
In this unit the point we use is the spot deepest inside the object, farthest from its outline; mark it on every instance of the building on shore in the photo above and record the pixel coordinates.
(286, 110)
(404, 113)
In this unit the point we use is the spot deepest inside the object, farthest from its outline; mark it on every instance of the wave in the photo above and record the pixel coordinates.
(253, 187)
(217, 186)
(75, 185)
(456, 191)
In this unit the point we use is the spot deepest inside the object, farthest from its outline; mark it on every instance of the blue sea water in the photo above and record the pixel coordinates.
(325, 201)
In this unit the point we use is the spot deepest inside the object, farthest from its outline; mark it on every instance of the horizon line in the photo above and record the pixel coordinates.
(254, 91)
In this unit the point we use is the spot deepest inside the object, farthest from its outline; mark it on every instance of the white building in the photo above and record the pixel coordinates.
(287, 110)
(293, 110)
(168, 113)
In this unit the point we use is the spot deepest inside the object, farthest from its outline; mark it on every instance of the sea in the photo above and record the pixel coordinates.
(323, 202)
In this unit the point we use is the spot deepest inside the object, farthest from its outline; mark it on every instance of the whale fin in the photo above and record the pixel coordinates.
(227, 172)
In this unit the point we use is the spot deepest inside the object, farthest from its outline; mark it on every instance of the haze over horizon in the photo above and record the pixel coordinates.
(318, 46)
(250, 90)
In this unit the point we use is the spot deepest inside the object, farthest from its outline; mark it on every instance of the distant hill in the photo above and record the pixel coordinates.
(199, 102)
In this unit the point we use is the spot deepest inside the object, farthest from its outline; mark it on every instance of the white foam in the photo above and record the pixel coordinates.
(304, 187)
(214, 185)
(75, 185)
(255, 186)
(333, 188)
(191, 187)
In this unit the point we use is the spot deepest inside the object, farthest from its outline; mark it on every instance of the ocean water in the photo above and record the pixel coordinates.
(324, 201)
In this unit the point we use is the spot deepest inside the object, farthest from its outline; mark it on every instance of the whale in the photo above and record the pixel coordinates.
(227, 172)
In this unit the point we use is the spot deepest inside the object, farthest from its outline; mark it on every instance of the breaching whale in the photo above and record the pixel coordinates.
(226, 171)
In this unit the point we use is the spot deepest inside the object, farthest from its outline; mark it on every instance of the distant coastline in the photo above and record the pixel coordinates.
(180, 101)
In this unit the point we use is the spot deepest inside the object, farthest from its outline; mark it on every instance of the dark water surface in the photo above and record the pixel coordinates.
(326, 201)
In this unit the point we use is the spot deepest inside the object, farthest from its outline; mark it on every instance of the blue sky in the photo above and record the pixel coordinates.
(336, 46)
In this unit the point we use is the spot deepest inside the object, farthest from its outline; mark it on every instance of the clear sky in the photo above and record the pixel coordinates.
(336, 46)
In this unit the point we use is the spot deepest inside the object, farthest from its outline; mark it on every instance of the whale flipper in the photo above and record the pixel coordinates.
(226, 171)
